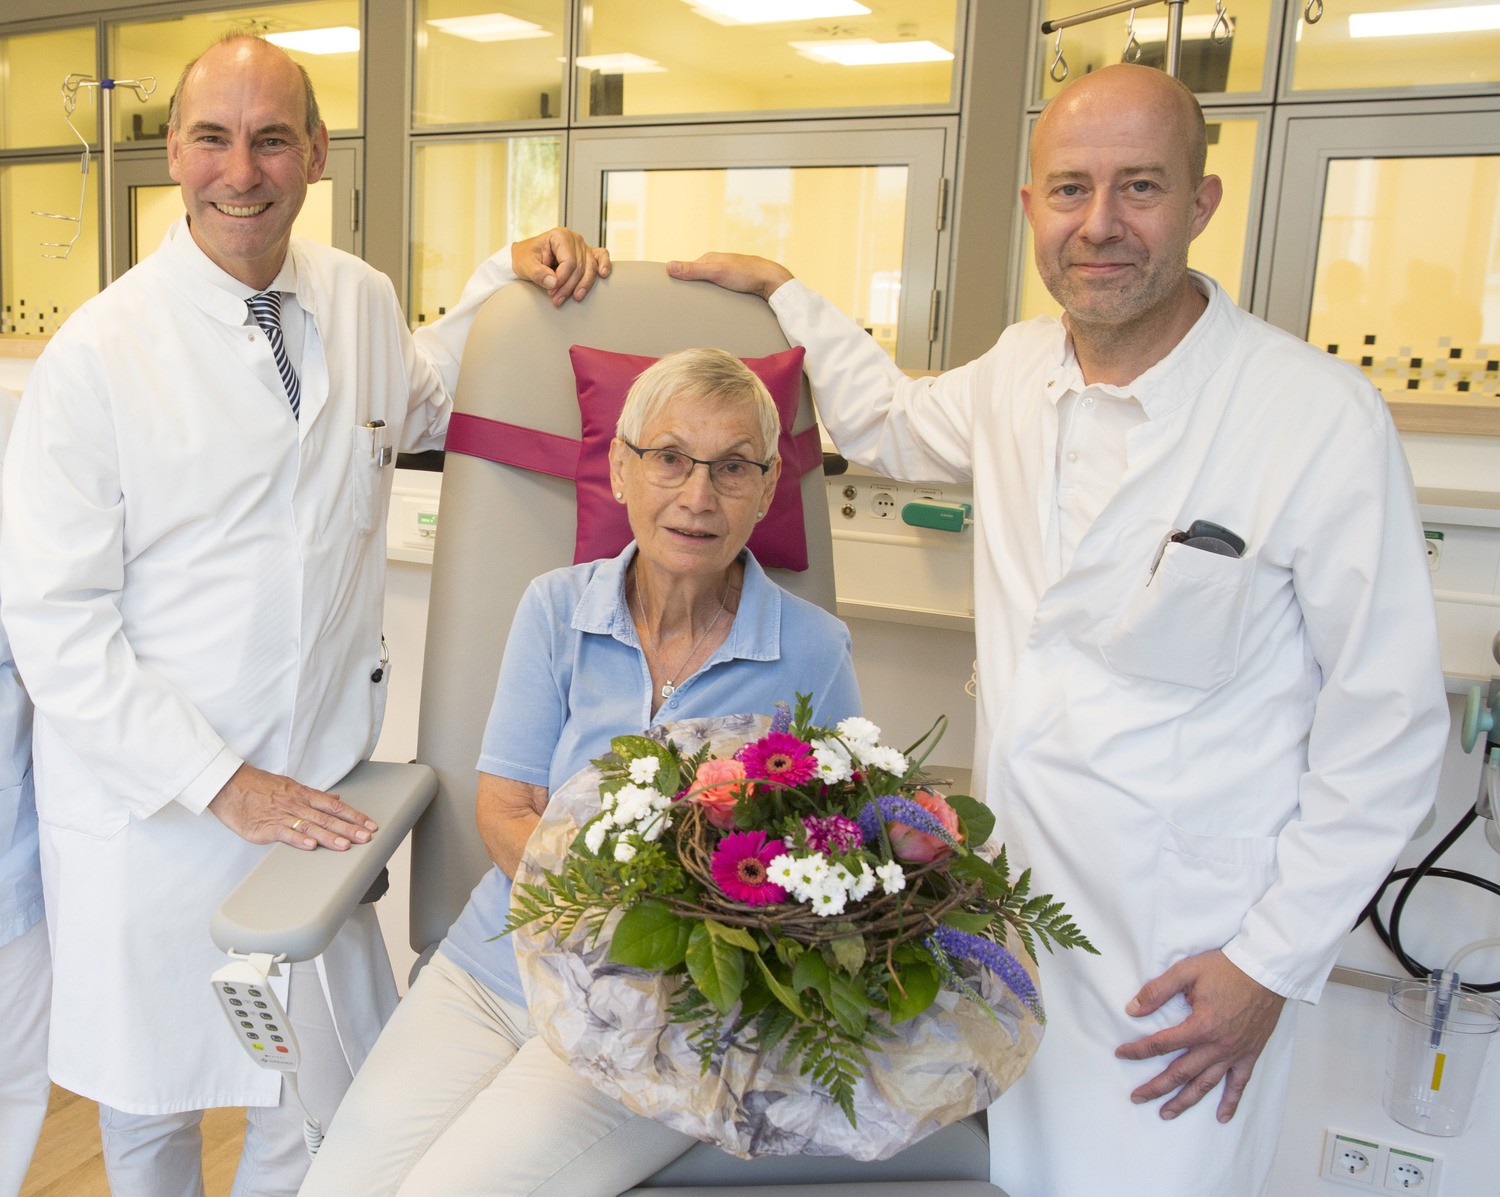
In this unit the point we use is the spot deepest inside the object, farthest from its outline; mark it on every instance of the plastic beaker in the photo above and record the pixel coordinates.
(1433, 1060)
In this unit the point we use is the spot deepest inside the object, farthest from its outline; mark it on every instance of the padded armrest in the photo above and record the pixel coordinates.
(295, 901)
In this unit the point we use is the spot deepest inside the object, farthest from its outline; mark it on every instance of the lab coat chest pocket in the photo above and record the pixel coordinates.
(371, 453)
(1184, 625)
(1205, 884)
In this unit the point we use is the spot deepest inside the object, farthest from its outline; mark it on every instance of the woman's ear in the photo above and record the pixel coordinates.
(617, 451)
(769, 492)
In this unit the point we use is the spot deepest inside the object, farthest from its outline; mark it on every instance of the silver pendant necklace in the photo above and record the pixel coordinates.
(669, 687)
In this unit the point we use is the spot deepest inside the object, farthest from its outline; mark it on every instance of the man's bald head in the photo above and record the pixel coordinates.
(1128, 86)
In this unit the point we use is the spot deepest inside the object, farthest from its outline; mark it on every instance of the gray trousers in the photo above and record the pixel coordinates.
(161, 1155)
(25, 995)
(460, 1099)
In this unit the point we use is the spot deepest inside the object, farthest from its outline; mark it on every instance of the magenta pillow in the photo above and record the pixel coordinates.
(779, 541)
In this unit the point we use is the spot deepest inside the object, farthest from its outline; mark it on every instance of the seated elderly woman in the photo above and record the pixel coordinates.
(458, 1096)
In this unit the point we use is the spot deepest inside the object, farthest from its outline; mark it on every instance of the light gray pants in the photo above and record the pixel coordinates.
(25, 995)
(460, 1099)
(161, 1155)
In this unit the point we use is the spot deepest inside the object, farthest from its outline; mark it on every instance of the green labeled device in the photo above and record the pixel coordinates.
(935, 514)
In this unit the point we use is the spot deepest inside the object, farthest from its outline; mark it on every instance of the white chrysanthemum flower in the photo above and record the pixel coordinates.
(625, 852)
(864, 883)
(643, 770)
(606, 802)
(830, 898)
(859, 733)
(892, 878)
(833, 761)
(593, 838)
(782, 870)
(808, 875)
(881, 757)
(840, 876)
(651, 832)
(632, 804)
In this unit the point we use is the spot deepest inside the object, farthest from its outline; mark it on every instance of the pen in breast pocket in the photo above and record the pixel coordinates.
(380, 452)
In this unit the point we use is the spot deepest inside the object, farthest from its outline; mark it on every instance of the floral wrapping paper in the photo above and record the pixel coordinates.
(609, 1023)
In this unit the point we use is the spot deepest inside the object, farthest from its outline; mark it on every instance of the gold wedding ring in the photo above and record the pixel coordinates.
(298, 824)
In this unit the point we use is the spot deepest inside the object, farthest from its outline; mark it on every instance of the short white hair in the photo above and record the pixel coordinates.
(710, 376)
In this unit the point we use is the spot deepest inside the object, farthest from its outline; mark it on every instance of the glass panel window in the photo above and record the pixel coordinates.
(468, 199)
(1219, 250)
(658, 215)
(42, 278)
(698, 56)
(1397, 43)
(1413, 301)
(323, 36)
(32, 69)
(1212, 62)
(475, 64)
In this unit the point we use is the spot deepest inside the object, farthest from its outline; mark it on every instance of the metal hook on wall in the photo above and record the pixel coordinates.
(1223, 28)
(1132, 51)
(1313, 12)
(1058, 71)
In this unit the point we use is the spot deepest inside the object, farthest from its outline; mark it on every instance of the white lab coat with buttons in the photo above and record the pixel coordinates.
(192, 579)
(1225, 753)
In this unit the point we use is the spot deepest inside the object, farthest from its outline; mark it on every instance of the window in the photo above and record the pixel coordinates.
(323, 36)
(691, 57)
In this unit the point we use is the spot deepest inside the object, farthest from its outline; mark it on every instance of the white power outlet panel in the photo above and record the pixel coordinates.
(1376, 1167)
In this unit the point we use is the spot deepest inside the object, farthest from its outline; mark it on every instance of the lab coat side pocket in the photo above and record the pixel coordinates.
(364, 475)
(1205, 884)
(1184, 625)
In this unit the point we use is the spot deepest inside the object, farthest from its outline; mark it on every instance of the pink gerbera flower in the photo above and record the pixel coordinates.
(741, 866)
(779, 757)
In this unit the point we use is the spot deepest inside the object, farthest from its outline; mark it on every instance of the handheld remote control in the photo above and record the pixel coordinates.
(254, 1011)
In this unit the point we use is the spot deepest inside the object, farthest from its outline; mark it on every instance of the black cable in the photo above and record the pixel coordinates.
(1390, 935)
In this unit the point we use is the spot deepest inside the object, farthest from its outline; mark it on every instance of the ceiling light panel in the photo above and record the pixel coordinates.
(862, 51)
(337, 39)
(767, 12)
(489, 27)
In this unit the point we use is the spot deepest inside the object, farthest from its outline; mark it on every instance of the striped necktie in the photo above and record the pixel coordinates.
(266, 308)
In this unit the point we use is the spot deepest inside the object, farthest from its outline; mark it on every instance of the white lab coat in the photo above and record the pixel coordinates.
(1226, 754)
(192, 579)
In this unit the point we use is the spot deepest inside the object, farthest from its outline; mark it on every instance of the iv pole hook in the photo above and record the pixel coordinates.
(1132, 51)
(1058, 71)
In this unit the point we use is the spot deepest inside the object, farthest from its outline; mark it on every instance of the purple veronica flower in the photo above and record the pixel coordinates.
(781, 721)
(894, 809)
(833, 834)
(947, 942)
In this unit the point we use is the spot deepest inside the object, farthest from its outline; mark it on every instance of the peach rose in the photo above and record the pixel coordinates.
(717, 787)
(917, 847)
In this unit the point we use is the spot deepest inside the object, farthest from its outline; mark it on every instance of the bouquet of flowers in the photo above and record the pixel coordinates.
(802, 896)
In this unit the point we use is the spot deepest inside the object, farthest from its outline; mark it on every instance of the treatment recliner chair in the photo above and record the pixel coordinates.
(501, 526)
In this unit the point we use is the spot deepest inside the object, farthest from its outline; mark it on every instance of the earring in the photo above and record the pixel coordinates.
(760, 515)
(620, 495)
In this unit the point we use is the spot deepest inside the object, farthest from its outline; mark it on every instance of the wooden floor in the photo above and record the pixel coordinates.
(69, 1161)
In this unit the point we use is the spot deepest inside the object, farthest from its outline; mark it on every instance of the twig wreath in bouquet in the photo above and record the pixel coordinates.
(739, 929)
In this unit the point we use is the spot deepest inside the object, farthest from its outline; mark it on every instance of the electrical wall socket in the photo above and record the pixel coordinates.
(1378, 1167)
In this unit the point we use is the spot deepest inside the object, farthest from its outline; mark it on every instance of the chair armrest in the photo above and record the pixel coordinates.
(294, 901)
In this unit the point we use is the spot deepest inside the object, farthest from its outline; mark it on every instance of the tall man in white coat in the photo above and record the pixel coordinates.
(1211, 744)
(193, 564)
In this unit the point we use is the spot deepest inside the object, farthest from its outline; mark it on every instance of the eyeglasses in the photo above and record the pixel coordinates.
(668, 468)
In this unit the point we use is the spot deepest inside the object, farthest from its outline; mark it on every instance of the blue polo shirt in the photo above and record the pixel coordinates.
(574, 677)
